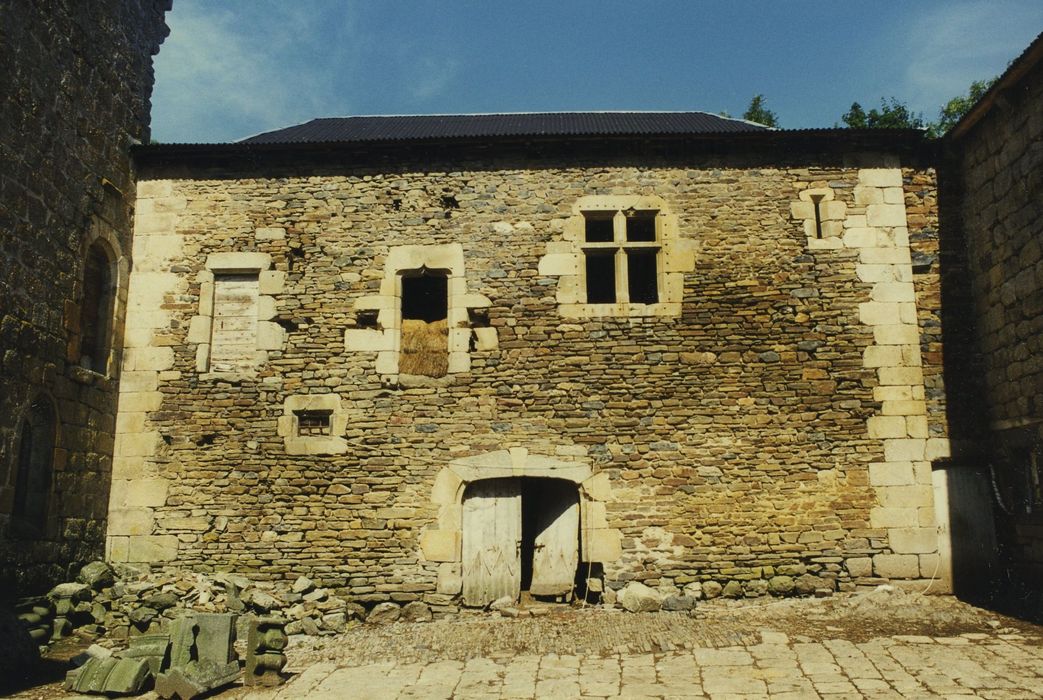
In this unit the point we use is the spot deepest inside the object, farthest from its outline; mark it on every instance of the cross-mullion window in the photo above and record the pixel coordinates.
(621, 255)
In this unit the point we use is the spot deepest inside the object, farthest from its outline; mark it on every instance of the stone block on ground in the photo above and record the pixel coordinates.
(678, 602)
(637, 597)
(195, 679)
(154, 649)
(384, 612)
(109, 676)
(416, 612)
(265, 646)
(97, 575)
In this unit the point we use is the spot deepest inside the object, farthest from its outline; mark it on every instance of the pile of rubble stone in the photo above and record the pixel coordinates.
(124, 602)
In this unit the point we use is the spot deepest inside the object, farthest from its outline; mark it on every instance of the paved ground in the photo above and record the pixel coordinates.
(879, 644)
(973, 665)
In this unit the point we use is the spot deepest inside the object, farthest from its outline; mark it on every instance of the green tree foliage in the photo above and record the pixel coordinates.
(758, 112)
(958, 106)
(891, 115)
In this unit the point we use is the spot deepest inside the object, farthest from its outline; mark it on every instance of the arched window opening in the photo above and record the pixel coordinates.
(33, 476)
(96, 310)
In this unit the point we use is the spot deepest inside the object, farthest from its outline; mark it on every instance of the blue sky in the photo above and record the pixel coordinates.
(232, 68)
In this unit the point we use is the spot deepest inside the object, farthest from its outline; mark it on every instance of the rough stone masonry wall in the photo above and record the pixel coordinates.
(1000, 175)
(778, 425)
(77, 80)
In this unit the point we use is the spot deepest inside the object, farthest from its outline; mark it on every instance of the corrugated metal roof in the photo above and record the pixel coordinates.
(443, 126)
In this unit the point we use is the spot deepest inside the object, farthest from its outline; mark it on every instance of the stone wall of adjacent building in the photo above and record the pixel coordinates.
(77, 80)
(996, 175)
(781, 421)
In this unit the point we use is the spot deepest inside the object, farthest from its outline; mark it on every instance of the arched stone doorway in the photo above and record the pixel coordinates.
(487, 527)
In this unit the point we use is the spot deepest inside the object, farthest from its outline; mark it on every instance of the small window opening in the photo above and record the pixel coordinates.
(640, 226)
(425, 330)
(601, 277)
(642, 279)
(35, 461)
(367, 318)
(310, 423)
(816, 199)
(96, 310)
(599, 227)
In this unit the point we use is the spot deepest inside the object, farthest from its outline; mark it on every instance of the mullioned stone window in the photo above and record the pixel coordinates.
(233, 328)
(621, 255)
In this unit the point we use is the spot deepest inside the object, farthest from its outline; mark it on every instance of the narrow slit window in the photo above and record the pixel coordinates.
(599, 227)
(96, 310)
(425, 328)
(35, 462)
(311, 423)
(641, 226)
(642, 277)
(601, 277)
(816, 199)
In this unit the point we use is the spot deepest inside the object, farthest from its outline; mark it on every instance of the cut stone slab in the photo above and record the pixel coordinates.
(215, 638)
(109, 675)
(154, 649)
(195, 680)
(265, 643)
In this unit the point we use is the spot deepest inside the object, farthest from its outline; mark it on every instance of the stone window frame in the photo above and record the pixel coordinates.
(103, 237)
(385, 340)
(18, 526)
(270, 335)
(297, 444)
(828, 219)
(565, 259)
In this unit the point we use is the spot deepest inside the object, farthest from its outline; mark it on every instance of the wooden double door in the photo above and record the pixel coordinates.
(519, 534)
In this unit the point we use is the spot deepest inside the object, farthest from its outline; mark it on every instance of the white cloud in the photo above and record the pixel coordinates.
(431, 76)
(216, 83)
(956, 43)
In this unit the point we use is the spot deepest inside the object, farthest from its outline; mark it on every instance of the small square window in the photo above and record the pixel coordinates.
(599, 227)
(310, 423)
(640, 226)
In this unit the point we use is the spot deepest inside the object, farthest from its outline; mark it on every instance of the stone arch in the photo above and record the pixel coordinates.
(31, 476)
(103, 296)
(598, 542)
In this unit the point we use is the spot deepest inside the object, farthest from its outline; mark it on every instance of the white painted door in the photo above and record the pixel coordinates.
(556, 551)
(492, 541)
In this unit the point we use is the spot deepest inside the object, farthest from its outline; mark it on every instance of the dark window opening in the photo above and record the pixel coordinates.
(33, 478)
(601, 278)
(641, 226)
(367, 318)
(599, 228)
(96, 310)
(425, 331)
(313, 422)
(642, 280)
(425, 297)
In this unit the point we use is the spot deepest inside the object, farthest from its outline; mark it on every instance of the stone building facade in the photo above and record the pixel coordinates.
(449, 369)
(994, 187)
(77, 80)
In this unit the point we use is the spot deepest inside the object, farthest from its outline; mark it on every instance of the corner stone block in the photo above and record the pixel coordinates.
(887, 427)
(139, 493)
(896, 334)
(130, 521)
(248, 262)
(893, 291)
(880, 177)
(937, 448)
(271, 282)
(891, 474)
(802, 210)
(447, 485)
(876, 313)
(152, 548)
(199, 330)
(594, 516)
(440, 545)
(882, 356)
(897, 565)
(885, 215)
(859, 567)
(893, 517)
(450, 582)
(486, 339)
(911, 497)
(116, 548)
(918, 540)
(904, 450)
(273, 233)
